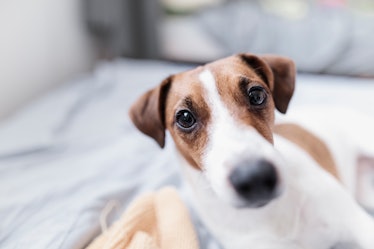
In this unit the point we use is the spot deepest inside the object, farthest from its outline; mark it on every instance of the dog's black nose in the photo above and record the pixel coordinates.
(255, 182)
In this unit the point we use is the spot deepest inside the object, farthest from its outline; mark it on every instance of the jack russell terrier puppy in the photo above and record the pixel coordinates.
(258, 185)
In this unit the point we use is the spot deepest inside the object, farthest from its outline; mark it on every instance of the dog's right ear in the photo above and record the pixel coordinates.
(148, 112)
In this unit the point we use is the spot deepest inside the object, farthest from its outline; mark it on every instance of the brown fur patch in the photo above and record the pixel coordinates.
(233, 80)
(186, 94)
(316, 148)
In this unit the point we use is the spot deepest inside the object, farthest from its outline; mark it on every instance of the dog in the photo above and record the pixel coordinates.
(257, 184)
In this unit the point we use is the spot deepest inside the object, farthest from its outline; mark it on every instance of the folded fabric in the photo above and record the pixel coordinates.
(154, 221)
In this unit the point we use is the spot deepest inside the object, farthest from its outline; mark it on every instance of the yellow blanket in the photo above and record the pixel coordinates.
(154, 221)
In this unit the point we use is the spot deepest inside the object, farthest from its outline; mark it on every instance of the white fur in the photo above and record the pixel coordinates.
(348, 134)
(314, 211)
(228, 143)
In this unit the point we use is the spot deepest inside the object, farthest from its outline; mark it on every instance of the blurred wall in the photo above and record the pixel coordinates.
(125, 27)
(42, 44)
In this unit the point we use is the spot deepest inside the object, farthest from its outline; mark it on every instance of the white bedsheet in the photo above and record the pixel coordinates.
(64, 157)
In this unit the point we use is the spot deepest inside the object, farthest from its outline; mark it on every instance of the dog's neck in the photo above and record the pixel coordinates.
(311, 201)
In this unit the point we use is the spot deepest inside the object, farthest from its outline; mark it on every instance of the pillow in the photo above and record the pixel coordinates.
(324, 40)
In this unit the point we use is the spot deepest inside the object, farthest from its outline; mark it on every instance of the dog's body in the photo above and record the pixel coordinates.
(258, 185)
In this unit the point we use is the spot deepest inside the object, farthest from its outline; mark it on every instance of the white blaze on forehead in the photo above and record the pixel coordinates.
(213, 160)
(213, 98)
(229, 141)
(223, 129)
(221, 119)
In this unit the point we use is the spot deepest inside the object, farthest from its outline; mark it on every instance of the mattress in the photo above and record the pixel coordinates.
(65, 156)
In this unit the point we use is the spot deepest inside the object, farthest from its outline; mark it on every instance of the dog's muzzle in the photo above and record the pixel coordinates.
(255, 182)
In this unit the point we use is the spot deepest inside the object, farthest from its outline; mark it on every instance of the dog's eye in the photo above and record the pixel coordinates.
(257, 96)
(185, 119)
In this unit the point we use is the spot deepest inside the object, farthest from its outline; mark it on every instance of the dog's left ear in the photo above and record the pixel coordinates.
(278, 72)
(148, 112)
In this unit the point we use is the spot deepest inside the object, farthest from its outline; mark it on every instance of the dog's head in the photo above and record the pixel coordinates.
(220, 116)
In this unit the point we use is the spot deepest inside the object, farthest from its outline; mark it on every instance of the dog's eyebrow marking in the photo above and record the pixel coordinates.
(243, 83)
(188, 102)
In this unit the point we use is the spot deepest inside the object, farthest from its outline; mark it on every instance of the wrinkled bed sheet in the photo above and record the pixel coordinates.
(65, 156)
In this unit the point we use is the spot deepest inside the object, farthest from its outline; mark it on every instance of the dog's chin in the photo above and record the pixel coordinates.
(242, 203)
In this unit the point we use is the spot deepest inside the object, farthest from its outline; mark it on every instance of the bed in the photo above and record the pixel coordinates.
(65, 156)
